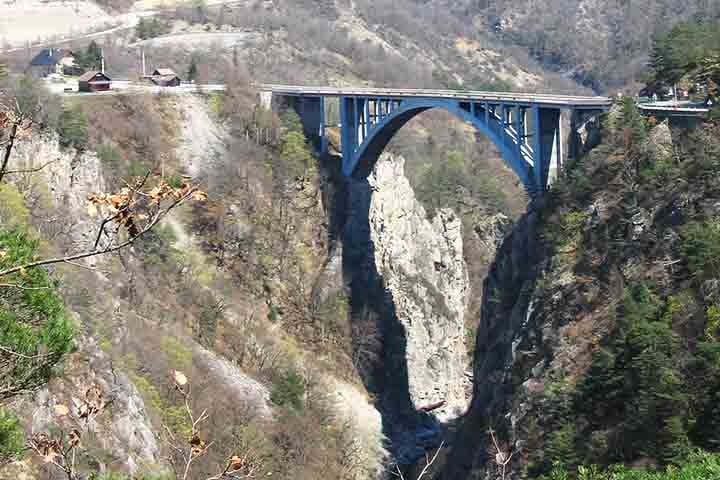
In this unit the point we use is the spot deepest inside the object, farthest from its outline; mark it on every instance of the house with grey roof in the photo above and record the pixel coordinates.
(165, 77)
(53, 60)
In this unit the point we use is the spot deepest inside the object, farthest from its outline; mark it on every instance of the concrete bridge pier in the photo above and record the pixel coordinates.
(547, 144)
(584, 132)
(312, 115)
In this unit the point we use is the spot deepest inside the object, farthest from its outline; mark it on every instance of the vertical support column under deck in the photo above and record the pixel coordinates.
(356, 123)
(348, 133)
(546, 144)
(311, 111)
(366, 117)
(323, 125)
(518, 113)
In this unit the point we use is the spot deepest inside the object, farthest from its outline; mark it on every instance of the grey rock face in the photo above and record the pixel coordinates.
(423, 274)
(659, 143)
(123, 429)
(69, 177)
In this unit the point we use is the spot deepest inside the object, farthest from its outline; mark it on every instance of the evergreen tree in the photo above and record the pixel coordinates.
(91, 57)
(34, 331)
(73, 128)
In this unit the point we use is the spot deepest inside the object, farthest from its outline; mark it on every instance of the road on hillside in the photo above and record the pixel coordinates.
(675, 109)
(122, 22)
(126, 87)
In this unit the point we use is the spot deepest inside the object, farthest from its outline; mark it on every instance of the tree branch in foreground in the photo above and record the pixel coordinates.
(237, 466)
(131, 209)
(428, 463)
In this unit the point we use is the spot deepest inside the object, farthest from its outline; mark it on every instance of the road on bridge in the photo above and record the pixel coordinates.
(576, 101)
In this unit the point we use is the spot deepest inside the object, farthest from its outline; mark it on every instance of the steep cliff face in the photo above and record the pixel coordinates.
(411, 273)
(60, 192)
(566, 365)
(506, 336)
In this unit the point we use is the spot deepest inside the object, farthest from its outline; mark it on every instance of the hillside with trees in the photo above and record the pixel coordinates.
(619, 362)
(188, 291)
(603, 44)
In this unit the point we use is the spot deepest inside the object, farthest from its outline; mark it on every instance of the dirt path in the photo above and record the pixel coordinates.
(202, 140)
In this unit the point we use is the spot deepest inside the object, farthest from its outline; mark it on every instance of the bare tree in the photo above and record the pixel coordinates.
(501, 457)
(187, 451)
(60, 449)
(428, 463)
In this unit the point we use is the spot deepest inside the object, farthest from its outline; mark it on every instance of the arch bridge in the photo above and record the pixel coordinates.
(528, 129)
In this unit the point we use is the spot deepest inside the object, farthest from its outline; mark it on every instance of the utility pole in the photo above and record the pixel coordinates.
(142, 53)
(102, 61)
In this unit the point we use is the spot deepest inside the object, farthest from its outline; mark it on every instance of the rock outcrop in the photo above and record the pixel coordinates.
(123, 430)
(410, 271)
(66, 179)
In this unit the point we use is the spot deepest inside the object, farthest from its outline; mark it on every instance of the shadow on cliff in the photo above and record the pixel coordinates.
(379, 339)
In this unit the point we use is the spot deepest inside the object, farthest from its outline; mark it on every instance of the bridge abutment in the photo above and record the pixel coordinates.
(311, 111)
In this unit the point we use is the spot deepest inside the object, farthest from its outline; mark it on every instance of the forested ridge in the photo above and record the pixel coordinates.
(604, 44)
(623, 289)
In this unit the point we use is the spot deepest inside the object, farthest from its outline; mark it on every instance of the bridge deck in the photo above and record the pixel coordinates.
(462, 95)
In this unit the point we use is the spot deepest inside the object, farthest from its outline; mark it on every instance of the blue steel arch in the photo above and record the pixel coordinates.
(526, 127)
(360, 162)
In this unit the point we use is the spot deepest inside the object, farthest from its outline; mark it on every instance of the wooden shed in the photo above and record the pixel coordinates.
(165, 77)
(94, 81)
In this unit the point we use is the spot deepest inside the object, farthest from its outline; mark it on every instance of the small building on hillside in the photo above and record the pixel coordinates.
(165, 77)
(53, 60)
(94, 81)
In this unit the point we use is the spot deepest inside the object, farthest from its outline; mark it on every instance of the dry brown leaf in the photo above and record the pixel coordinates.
(199, 196)
(198, 445)
(50, 456)
(74, 438)
(61, 410)
(180, 378)
(236, 462)
(92, 209)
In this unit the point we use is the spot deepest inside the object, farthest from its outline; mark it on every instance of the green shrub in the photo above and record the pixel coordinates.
(713, 322)
(296, 152)
(33, 325)
(11, 437)
(12, 206)
(634, 378)
(698, 466)
(90, 58)
(561, 446)
(291, 121)
(701, 247)
(289, 390)
(73, 128)
(152, 27)
(175, 181)
(567, 232)
(108, 154)
(439, 185)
